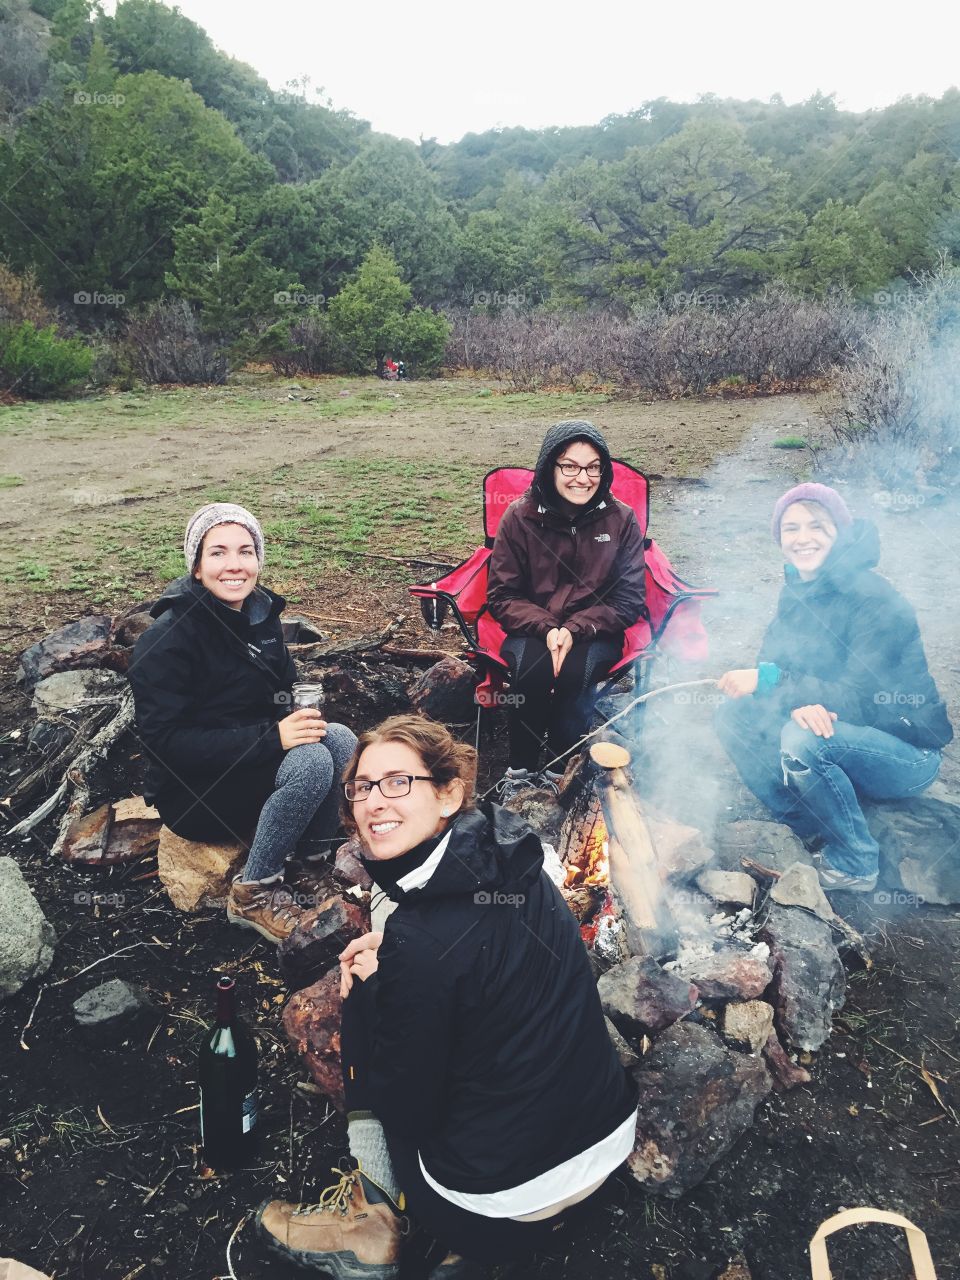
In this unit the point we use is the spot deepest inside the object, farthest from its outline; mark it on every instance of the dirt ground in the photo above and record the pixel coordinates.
(98, 1170)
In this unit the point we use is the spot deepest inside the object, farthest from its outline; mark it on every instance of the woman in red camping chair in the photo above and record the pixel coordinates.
(566, 581)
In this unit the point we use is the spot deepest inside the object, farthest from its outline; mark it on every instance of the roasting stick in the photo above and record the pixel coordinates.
(653, 693)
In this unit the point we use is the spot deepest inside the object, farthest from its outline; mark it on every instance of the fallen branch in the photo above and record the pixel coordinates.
(320, 651)
(75, 775)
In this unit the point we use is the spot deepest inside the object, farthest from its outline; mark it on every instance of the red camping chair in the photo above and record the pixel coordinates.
(674, 625)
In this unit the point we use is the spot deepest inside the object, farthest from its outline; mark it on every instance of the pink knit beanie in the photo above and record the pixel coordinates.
(811, 492)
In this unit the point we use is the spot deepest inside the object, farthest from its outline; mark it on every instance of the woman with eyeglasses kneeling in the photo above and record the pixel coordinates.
(566, 580)
(482, 1089)
(228, 760)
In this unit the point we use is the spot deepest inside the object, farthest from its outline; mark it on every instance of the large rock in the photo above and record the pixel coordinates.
(800, 886)
(445, 692)
(112, 1011)
(26, 936)
(539, 807)
(734, 887)
(348, 868)
(769, 843)
(748, 1024)
(681, 850)
(919, 847)
(697, 1097)
(312, 1023)
(118, 832)
(729, 973)
(71, 690)
(809, 982)
(640, 998)
(321, 934)
(79, 644)
(130, 625)
(195, 874)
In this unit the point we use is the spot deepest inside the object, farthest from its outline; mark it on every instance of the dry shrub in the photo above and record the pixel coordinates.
(21, 299)
(163, 343)
(683, 349)
(899, 413)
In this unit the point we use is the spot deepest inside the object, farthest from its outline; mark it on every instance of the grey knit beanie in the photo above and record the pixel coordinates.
(208, 517)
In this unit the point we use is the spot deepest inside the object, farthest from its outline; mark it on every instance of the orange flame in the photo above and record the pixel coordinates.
(593, 863)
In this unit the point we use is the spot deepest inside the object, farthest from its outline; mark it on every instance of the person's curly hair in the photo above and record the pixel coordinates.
(445, 758)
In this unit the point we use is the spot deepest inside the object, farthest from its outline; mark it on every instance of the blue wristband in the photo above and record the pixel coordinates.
(768, 676)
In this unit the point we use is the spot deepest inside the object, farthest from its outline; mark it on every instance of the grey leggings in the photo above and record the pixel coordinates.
(305, 801)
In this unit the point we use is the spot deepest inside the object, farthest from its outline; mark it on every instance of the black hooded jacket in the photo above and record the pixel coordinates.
(490, 1050)
(849, 641)
(209, 684)
(556, 564)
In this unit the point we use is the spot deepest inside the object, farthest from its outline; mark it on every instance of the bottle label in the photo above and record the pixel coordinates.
(249, 1111)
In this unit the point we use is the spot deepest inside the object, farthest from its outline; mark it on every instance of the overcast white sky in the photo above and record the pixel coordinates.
(443, 69)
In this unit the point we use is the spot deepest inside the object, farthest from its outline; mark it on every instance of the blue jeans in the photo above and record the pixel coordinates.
(812, 784)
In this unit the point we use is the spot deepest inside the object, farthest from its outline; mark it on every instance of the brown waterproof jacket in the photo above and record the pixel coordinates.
(546, 572)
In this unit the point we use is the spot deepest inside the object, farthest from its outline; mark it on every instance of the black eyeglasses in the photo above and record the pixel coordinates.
(571, 469)
(392, 787)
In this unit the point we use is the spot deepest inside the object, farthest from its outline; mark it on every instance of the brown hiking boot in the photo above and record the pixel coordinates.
(353, 1232)
(268, 908)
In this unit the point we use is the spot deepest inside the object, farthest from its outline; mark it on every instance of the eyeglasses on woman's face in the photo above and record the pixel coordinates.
(392, 787)
(572, 469)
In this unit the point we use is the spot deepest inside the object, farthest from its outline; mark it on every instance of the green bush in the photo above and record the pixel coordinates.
(35, 362)
(423, 339)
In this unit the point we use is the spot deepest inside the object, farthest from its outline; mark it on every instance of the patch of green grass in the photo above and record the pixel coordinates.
(790, 442)
(10, 482)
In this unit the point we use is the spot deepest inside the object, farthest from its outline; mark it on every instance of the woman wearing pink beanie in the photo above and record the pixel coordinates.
(841, 704)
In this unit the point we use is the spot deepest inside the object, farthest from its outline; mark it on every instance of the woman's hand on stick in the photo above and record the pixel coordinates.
(302, 726)
(737, 684)
(559, 642)
(815, 718)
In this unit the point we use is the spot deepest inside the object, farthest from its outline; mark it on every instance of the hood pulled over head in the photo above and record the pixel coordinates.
(554, 442)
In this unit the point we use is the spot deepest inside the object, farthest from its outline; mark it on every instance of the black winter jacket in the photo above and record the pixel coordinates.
(209, 684)
(490, 1050)
(848, 640)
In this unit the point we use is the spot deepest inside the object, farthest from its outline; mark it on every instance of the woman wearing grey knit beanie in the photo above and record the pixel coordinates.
(841, 704)
(228, 760)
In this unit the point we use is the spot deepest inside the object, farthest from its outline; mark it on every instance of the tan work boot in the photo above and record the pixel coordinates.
(353, 1232)
(268, 908)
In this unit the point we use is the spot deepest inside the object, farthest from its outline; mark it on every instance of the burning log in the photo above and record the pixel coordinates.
(633, 862)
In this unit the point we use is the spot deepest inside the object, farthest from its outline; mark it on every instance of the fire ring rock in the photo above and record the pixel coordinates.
(639, 997)
(697, 1097)
(27, 938)
(312, 1023)
(195, 874)
(809, 982)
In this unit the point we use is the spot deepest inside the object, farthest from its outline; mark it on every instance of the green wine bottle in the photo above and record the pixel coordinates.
(227, 1071)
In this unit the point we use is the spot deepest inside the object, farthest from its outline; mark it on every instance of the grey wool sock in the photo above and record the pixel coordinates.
(368, 1146)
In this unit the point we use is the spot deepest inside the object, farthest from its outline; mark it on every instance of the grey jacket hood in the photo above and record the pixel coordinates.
(556, 439)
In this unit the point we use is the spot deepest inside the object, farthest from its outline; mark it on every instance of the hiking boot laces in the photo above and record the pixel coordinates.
(335, 1198)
